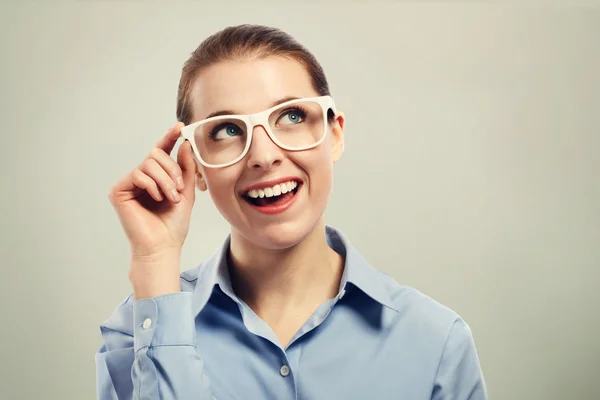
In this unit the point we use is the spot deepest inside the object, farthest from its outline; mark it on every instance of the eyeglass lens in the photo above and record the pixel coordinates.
(297, 126)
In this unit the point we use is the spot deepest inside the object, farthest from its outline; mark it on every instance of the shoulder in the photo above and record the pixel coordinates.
(422, 314)
(428, 330)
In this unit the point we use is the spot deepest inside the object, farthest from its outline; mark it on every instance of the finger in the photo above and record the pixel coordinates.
(124, 189)
(167, 142)
(185, 158)
(169, 165)
(144, 182)
(151, 168)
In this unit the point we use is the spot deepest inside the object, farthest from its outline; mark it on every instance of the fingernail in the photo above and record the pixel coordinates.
(179, 183)
(175, 195)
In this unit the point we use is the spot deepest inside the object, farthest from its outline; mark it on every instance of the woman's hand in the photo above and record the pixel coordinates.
(154, 205)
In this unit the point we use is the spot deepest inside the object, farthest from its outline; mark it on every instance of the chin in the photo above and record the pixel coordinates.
(278, 231)
(280, 235)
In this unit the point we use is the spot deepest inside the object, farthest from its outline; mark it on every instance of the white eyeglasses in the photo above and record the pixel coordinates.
(294, 125)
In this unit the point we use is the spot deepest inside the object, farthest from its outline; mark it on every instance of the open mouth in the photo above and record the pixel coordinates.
(274, 195)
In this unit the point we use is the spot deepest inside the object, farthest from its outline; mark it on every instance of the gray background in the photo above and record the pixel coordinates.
(470, 171)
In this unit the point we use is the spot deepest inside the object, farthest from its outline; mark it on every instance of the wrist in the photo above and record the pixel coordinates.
(155, 275)
(146, 255)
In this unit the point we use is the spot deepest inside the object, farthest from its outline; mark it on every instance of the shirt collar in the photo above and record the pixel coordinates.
(357, 271)
(213, 272)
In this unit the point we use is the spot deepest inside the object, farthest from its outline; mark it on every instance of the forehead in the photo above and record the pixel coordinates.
(248, 86)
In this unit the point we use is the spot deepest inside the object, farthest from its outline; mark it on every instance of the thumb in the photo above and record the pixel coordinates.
(185, 158)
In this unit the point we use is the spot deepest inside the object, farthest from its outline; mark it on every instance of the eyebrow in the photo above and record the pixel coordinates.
(229, 112)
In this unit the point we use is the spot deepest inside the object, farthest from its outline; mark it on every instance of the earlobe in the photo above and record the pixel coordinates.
(337, 136)
(200, 183)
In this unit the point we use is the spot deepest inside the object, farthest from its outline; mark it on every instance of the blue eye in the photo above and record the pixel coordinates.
(291, 117)
(225, 131)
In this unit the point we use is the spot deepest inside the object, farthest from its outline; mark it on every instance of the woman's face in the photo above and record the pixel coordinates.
(250, 86)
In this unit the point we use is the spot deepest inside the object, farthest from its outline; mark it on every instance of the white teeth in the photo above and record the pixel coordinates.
(275, 190)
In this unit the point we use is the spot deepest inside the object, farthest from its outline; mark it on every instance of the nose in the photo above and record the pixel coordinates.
(263, 152)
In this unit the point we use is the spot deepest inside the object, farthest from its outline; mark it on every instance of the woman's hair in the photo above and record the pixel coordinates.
(244, 42)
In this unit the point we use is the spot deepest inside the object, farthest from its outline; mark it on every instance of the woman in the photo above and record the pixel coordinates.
(287, 308)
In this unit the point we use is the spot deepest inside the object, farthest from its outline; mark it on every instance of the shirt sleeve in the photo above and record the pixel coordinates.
(459, 374)
(149, 352)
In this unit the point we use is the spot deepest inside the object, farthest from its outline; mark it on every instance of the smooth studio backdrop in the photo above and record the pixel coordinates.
(471, 170)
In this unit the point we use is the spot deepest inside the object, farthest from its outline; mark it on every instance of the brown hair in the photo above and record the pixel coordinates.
(245, 41)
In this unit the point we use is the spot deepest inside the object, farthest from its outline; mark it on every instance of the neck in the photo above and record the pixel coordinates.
(276, 282)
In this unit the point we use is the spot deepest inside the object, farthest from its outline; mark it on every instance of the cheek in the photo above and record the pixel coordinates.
(319, 166)
(221, 184)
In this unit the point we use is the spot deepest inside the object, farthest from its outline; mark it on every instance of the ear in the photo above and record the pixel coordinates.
(337, 136)
(200, 182)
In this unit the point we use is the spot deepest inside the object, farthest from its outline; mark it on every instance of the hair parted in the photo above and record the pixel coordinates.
(243, 42)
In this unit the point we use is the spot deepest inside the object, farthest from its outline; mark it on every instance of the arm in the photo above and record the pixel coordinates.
(149, 352)
(459, 374)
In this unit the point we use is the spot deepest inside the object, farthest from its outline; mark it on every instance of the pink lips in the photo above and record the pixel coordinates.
(279, 207)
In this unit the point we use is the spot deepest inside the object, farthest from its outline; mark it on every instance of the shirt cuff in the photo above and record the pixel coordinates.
(164, 320)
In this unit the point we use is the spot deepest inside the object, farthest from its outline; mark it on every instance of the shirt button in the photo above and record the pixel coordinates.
(284, 370)
(147, 323)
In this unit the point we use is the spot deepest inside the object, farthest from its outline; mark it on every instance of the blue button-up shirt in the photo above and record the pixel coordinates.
(375, 340)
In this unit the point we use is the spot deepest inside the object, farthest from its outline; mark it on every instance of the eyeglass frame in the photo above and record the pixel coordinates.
(260, 118)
